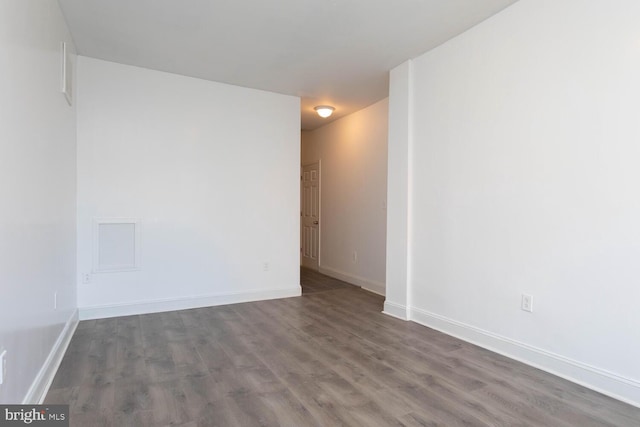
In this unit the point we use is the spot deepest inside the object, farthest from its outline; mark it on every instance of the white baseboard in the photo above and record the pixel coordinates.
(171, 304)
(40, 386)
(366, 284)
(600, 380)
(395, 310)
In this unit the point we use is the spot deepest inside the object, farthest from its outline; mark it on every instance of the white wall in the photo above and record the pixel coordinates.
(398, 183)
(525, 179)
(37, 196)
(353, 155)
(211, 170)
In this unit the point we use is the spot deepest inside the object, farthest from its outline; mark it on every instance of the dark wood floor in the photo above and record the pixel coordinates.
(328, 358)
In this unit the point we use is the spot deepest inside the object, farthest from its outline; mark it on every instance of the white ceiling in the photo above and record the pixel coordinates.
(335, 52)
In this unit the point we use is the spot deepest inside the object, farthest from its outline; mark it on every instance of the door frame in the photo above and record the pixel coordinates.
(319, 163)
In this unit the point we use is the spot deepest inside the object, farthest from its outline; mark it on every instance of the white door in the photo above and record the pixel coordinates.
(310, 212)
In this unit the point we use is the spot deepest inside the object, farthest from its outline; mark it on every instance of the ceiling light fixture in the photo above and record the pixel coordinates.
(324, 111)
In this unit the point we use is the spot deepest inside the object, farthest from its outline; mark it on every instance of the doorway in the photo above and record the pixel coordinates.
(310, 216)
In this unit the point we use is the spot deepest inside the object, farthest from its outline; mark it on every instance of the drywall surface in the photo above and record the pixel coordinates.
(398, 191)
(525, 180)
(37, 194)
(353, 156)
(209, 170)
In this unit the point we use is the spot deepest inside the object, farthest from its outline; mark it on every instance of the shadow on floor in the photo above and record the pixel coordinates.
(313, 281)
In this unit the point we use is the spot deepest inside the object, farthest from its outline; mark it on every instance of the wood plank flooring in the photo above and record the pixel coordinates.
(328, 358)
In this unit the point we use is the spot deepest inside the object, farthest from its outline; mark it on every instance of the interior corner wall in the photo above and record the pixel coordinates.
(353, 156)
(398, 267)
(210, 171)
(525, 181)
(38, 193)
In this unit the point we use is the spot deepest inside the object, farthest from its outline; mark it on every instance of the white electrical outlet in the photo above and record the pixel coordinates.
(527, 303)
(265, 266)
(3, 366)
(86, 278)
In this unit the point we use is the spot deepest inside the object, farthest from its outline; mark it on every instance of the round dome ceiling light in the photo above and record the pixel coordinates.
(324, 111)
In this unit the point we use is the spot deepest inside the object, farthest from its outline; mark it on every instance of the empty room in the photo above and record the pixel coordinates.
(320, 213)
